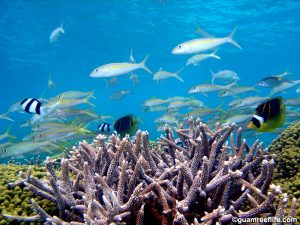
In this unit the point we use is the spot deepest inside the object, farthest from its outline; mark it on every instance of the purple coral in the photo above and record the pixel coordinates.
(128, 182)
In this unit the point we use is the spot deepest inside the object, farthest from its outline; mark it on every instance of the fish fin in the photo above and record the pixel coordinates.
(204, 94)
(180, 70)
(213, 54)
(219, 108)
(212, 77)
(91, 94)
(143, 65)
(131, 59)
(286, 72)
(203, 33)
(178, 78)
(8, 135)
(62, 27)
(234, 83)
(89, 103)
(230, 38)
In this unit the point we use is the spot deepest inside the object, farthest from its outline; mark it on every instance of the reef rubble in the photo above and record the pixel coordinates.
(204, 180)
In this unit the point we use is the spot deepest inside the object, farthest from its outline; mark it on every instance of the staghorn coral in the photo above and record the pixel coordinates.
(14, 199)
(287, 150)
(127, 182)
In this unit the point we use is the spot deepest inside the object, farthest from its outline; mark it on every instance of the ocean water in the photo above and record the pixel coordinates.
(101, 32)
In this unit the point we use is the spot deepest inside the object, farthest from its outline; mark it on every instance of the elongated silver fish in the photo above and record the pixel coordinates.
(117, 69)
(204, 44)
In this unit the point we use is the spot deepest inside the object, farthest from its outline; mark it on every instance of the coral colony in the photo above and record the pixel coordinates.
(201, 180)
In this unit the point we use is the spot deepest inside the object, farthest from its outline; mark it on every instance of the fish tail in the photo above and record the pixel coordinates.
(286, 72)
(180, 70)
(8, 135)
(91, 94)
(213, 54)
(230, 39)
(86, 100)
(178, 78)
(143, 65)
(232, 84)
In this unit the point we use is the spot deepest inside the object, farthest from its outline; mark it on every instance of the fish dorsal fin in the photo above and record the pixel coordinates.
(203, 33)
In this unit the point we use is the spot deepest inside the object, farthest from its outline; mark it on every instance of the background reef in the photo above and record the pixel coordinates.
(287, 150)
(15, 200)
(193, 180)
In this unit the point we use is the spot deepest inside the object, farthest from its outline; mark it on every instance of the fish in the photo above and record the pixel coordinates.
(292, 102)
(6, 135)
(237, 119)
(206, 88)
(126, 125)
(111, 82)
(224, 75)
(166, 119)
(154, 102)
(31, 105)
(119, 94)
(246, 102)
(275, 80)
(67, 103)
(106, 128)
(194, 103)
(56, 33)
(196, 59)
(176, 98)
(271, 82)
(235, 91)
(135, 79)
(21, 148)
(75, 95)
(161, 75)
(269, 115)
(283, 87)
(155, 108)
(117, 69)
(51, 83)
(204, 44)
(177, 104)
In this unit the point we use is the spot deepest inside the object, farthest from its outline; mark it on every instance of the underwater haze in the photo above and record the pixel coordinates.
(102, 32)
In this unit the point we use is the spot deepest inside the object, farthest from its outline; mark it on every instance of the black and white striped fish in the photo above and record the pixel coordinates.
(106, 128)
(31, 105)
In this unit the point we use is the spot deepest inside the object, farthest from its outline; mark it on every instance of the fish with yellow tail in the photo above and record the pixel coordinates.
(269, 115)
(117, 69)
(204, 44)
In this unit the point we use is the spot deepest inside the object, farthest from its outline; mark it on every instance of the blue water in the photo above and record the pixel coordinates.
(100, 32)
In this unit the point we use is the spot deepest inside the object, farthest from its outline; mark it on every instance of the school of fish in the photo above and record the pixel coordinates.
(71, 115)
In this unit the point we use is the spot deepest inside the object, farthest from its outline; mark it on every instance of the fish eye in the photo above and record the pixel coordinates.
(33, 138)
(96, 70)
(4, 151)
(179, 46)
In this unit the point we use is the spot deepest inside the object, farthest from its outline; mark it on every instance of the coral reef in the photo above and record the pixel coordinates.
(287, 150)
(14, 199)
(127, 182)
